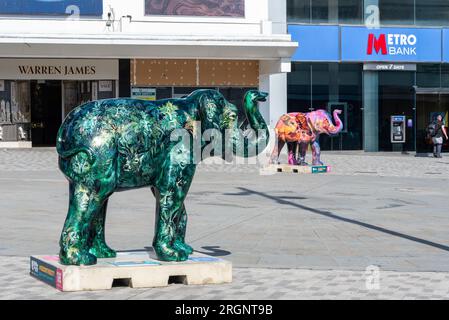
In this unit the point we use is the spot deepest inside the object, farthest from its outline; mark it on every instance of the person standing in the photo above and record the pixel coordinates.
(437, 138)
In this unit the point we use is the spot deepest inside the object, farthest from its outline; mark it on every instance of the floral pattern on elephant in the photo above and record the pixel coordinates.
(299, 130)
(120, 144)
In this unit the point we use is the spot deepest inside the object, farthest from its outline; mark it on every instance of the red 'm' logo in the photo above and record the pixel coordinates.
(379, 44)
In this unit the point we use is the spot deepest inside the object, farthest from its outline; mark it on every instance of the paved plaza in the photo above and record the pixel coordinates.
(376, 227)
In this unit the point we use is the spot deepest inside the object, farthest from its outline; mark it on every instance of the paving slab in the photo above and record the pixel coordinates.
(384, 210)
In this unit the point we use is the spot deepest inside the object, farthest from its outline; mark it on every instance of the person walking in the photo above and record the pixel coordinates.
(437, 131)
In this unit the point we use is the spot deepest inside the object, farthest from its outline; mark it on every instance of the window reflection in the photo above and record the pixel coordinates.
(392, 12)
(397, 12)
(313, 86)
(325, 11)
(432, 12)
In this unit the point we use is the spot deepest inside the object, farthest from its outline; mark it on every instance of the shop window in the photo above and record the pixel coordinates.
(299, 11)
(307, 11)
(325, 11)
(350, 91)
(428, 75)
(350, 11)
(105, 88)
(321, 85)
(445, 75)
(397, 12)
(313, 86)
(235, 96)
(299, 83)
(181, 92)
(163, 93)
(77, 93)
(15, 111)
(432, 12)
(322, 12)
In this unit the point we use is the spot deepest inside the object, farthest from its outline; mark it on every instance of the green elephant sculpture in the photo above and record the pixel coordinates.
(119, 144)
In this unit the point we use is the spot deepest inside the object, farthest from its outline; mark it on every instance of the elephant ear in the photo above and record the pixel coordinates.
(209, 112)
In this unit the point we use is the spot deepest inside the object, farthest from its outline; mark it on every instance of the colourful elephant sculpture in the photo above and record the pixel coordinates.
(119, 144)
(299, 130)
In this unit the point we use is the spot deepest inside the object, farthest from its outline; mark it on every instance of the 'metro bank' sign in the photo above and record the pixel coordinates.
(390, 44)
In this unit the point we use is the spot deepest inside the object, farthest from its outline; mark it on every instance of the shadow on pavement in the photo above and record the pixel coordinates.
(281, 200)
(214, 251)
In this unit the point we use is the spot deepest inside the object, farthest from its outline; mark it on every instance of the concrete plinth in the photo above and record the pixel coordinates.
(137, 269)
(285, 168)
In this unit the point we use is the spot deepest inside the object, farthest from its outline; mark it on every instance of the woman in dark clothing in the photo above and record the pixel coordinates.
(438, 138)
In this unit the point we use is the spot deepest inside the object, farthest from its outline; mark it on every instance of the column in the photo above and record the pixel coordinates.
(273, 79)
(277, 14)
(371, 111)
(332, 11)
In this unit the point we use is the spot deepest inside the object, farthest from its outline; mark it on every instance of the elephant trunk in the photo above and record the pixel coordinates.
(338, 127)
(249, 145)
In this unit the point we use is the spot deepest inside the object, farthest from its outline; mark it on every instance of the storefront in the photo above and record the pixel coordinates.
(37, 94)
(373, 74)
(175, 48)
(175, 78)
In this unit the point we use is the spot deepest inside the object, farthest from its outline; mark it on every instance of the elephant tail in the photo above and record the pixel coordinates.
(72, 152)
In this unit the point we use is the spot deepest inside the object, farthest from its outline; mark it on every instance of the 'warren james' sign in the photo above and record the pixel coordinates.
(58, 69)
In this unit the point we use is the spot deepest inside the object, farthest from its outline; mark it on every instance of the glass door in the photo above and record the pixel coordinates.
(45, 112)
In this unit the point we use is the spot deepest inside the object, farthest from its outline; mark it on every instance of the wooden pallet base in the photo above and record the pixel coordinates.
(285, 168)
(136, 269)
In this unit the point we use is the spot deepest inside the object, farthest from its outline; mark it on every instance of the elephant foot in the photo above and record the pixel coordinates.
(292, 160)
(303, 163)
(182, 246)
(318, 163)
(101, 251)
(76, 257)
(166, 253)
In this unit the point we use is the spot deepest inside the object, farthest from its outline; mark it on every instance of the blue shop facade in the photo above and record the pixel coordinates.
(373, 74)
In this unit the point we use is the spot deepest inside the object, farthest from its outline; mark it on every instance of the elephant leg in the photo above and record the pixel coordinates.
(170, 191)
(276, 151)
(98, 246)
(297, 152)
(181, 223)
(181, 232)
(316, 154)
(291, 153)
(84, 206)
(91, 185)
(302, 154)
